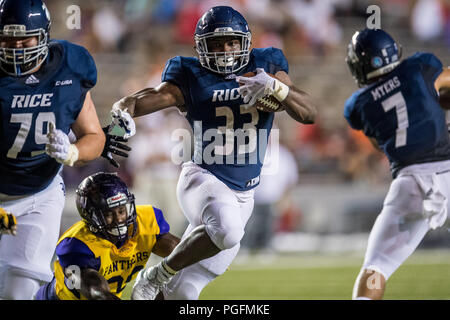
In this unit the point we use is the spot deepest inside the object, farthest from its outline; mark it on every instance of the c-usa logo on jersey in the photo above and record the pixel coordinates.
(60, 83)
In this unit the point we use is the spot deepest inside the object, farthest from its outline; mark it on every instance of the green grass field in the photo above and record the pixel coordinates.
(425, 275)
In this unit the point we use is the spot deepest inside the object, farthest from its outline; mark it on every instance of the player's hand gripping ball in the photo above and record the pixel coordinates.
(263, 102)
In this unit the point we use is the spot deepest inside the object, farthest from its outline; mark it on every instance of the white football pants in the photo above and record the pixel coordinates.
(416, 202)
(28, 254)
(205, 200)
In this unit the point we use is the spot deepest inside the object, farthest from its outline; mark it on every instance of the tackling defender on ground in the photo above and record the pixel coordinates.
(103, 252)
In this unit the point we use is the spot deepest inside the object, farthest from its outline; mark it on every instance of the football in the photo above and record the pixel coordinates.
(267, 103)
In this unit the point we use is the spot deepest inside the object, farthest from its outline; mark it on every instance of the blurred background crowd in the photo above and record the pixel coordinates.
(330, 181)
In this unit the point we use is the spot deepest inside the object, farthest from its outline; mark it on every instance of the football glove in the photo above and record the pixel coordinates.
(59, 146)
(262, 84)
(113, 145)
(123, 119)
(8, 223)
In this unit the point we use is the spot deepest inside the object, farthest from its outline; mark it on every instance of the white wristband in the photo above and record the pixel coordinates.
(167, 268)
(280, 91)
(72, 156)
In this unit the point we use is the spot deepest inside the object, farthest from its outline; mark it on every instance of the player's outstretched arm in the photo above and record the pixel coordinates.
(298, 104)
(165, 245)
(143, 102)
(149, 100)
(94, 286)
(89, 133)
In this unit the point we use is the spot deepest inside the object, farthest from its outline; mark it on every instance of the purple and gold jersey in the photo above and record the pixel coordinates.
(79, 247)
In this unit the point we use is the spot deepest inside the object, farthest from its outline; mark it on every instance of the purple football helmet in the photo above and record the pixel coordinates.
(97, 195)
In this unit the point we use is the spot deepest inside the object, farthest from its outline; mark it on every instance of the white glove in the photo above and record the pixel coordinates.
(59, 146)
(261, 85)
(123, 119)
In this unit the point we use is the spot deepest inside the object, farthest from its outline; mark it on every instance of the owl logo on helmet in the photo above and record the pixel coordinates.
(371, 54)
(222, 21)
(96, 196)
(19, 20)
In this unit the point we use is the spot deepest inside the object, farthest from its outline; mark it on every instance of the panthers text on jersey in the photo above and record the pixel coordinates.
(55, 93)
(403, 114)
(81, 248)
(230, 139)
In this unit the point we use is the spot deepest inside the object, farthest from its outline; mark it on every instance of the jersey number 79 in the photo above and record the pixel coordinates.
(25, 120)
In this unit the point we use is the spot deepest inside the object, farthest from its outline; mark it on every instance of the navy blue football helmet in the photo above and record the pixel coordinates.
(222, 21)
(371, 54)
(97, 195)
(23, 19)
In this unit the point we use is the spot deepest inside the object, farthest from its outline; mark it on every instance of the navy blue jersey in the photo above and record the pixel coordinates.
(403, 114)
(230, 139)
(55, 93)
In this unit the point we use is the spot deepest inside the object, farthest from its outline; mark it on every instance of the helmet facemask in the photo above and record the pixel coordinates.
(354, 66)
(224, 62)
(114, 232)
(22, 61)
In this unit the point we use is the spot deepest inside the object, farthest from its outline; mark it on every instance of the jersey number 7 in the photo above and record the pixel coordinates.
(398, 102)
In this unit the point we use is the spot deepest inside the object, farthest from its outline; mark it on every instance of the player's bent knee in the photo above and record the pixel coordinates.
(225, 238)
(232, 238)
(224, 225)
